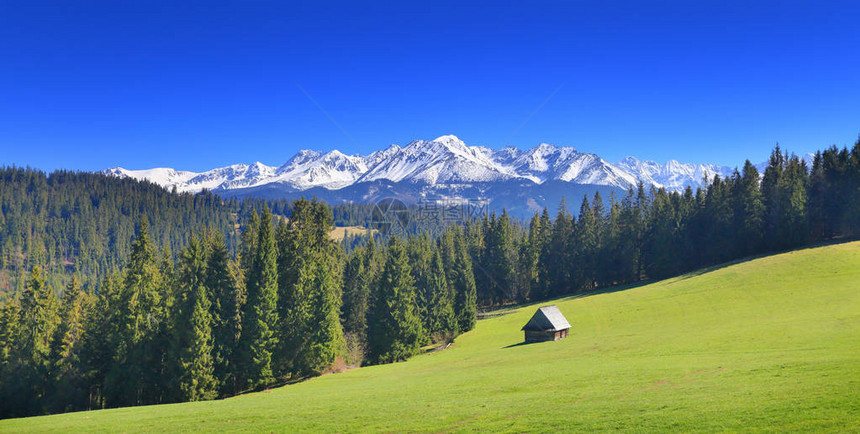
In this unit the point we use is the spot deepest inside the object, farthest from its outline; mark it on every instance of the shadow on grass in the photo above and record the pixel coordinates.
(518, 344)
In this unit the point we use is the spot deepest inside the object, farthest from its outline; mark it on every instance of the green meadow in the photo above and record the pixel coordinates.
(769, 344)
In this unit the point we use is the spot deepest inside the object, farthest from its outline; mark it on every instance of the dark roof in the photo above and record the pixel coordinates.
(547, 318)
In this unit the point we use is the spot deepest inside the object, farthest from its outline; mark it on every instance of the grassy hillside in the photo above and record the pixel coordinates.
(768, 344)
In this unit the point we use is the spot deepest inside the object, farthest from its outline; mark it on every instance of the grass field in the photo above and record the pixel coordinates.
(340, 232)
(768, 344)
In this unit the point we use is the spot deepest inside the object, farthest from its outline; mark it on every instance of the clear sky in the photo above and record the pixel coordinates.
(197, 85)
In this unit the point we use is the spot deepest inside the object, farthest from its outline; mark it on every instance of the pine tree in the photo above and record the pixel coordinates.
(9, 328)
(771, 198)
(227, 298)
(68, 391)
(749, 211)
(440, 323)
(659, 249)
(395, 331)
(610, 260)
(544, 287)
(310, 291)
(853, 203)
(359, 276)
(325, 341)
(462, 281)
(529, 255)
(419, 255)
(192, 328)
(559, 253)
(794, 224)
(11, 387)
(38, 322)
(137, 377)
(585, 247)
(258, 339)
(98, 341)
(249, 237)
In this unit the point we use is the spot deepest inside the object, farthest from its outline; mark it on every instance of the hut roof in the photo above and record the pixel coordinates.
(547, 318)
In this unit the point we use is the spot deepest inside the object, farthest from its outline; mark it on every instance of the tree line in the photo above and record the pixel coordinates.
(654, 234)
(288, 305)
(82, 224)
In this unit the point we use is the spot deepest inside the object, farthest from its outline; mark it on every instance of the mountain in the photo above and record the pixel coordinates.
(672, 175)
(443, 167)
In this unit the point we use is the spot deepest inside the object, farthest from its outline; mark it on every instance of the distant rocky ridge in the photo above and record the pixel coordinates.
(445, 165)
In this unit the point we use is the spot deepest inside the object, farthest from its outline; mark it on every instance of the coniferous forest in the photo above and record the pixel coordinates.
(119, 293)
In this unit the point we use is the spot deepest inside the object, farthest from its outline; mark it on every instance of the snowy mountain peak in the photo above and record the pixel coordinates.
(444, 161)
(450, 139)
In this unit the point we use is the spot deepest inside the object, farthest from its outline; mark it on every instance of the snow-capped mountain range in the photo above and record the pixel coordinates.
(445, 162)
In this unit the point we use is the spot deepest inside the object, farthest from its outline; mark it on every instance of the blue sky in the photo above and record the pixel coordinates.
(196, 85)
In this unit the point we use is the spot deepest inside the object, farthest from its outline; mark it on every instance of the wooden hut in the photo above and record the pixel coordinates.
(547, 324)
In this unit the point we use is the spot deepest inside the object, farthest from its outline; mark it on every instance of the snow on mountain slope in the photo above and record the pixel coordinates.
(443, 162)
(163, 176)
(672, 175)
(332, 170)
(547, 162)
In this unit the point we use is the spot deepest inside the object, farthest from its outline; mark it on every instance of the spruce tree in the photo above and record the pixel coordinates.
(528, 257)
(463, 283)
(771, 198)
(258, 339)
(440, 322)
(325, 341)
(9, 327)
(395, 331)
(310, 291)
(585, 245)
(545, 274)
(559, 254)
(38, 321)
(101, 329)
(749, 211)
(227, 298)
(68, 391)
(137, 377)
(192, 328)
(11, 388)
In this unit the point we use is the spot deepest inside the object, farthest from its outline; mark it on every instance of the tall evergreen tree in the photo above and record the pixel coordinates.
(39, 320)
(325, 341)
(585, 247)
(192, 328)
(137, 377)
(68, 391)
(359, 276)
(309, 291)
(462, 281)
(227, 296)
(440, 321)
(395, 331)
(258, 339)
(770, 188)
(749, 211)
(100, 330)
(558, 256)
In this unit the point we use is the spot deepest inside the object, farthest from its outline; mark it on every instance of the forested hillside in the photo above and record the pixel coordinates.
(189, 308)
(82, 224)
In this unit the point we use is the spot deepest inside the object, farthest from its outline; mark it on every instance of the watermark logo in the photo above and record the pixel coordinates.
(428, 215)
(390, 215)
